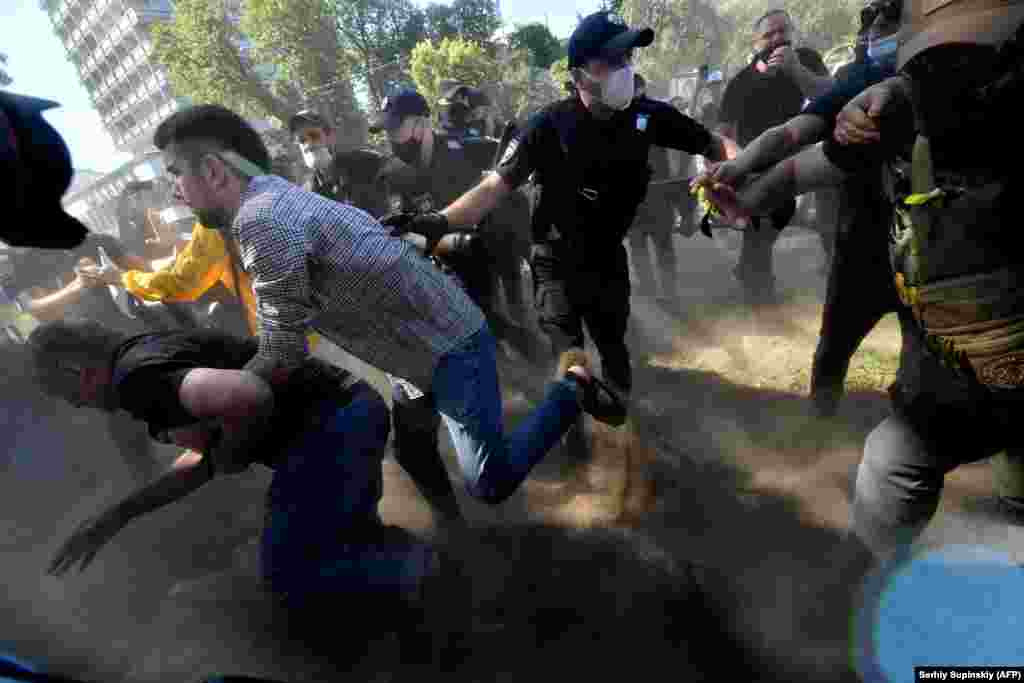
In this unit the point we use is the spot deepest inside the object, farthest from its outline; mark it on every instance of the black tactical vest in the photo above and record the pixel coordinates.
(590, 197)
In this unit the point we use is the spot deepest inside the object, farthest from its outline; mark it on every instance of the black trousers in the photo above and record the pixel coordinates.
(860, 288)
(573, 289)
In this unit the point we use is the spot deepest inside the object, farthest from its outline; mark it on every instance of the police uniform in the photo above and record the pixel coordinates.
(354, 178)
(959, 393)
(590, 176)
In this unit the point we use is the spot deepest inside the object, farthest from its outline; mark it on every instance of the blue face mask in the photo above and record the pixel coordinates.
(884, 50)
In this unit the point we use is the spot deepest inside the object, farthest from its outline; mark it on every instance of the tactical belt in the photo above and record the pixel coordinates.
(973, 323)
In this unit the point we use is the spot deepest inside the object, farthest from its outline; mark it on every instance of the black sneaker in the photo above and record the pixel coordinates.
(596, 398)
(600, 401)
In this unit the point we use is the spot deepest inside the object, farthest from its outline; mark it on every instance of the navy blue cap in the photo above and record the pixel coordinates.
(35, 172)
(604, 34)
(398, 108)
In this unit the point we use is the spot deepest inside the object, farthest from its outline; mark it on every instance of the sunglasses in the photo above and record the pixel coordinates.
(890, 11)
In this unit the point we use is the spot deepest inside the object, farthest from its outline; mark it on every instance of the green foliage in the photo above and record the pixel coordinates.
(379, 35)
(274, 58)
(560, 72)
(689, 33)
(455, 59)
(200, 49)
(474, 20)
(543, 47)
(819, 25)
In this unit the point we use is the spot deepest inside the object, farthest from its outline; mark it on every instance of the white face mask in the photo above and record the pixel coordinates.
(881, 50)
(316, 158)
(615, 90)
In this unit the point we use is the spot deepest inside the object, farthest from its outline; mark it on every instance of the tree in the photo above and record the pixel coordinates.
(690, 33)
(819, 25)
(560, 72)
(474, 20)
(299, 39)
(209, 59)
(380, 34)
(543, 47)
(202, 51)
(456, 59)
(5, 79)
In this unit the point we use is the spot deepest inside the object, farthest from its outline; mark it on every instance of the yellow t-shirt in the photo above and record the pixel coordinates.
(200, 265)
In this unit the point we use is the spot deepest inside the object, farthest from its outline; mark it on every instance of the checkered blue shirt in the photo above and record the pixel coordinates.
(316, 262)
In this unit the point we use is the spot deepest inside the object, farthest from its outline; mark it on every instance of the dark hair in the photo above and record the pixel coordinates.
(772, 13)
(83, 343)
(210, 125)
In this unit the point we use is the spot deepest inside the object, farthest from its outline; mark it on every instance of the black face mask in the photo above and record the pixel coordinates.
(408, 151)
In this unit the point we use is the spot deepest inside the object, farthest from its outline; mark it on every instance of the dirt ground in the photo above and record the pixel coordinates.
(721, 464)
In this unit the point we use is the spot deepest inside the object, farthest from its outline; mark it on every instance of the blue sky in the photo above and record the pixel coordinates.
(39, 66)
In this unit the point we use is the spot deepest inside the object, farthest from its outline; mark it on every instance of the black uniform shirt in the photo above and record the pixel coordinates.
(456, 166)
(627, 135)
(607, 157)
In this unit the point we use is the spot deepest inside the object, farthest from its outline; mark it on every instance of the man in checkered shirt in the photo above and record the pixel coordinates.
(323, 264)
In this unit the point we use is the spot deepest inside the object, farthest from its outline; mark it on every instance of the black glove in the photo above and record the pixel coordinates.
(431, 225)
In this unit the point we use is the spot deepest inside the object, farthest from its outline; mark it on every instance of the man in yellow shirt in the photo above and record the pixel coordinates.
(196, 269)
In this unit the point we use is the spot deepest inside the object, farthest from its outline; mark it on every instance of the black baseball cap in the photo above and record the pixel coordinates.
(398, 108)
(604, 34)
(35, 172)
(306, 117)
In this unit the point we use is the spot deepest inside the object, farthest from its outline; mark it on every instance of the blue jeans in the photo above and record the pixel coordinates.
(468, 396)
(323, 538)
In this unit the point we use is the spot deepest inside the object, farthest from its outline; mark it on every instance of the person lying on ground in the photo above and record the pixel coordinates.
(323, 433)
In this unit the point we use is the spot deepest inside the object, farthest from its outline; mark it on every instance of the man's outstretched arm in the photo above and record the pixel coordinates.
(471, 208)
(807, 171)
(188, 473)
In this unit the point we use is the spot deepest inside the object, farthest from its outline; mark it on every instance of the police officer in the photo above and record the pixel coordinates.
(655, 219)
(349, 176)
(959, 394)
(589, 156)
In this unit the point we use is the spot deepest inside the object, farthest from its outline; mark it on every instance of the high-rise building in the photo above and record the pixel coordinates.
(110, 44)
